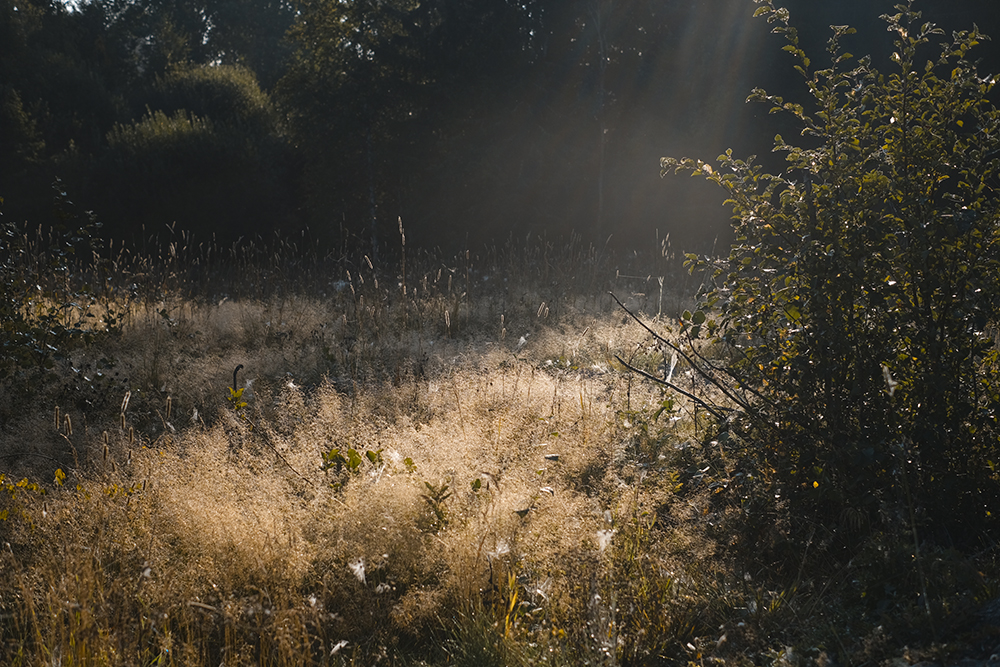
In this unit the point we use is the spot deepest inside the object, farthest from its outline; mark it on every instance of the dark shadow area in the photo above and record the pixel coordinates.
(470, 121)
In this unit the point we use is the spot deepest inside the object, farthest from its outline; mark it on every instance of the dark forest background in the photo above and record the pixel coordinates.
(470, 120)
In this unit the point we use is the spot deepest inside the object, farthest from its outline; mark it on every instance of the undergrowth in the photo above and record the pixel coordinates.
(378, 486)
(405, 469)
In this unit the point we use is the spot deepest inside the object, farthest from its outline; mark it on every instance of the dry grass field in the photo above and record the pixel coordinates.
(442, 464)
(450, 468)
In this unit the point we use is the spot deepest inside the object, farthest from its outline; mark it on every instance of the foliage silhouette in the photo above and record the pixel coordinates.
(858, 304)
(43, 313)
(208, 152)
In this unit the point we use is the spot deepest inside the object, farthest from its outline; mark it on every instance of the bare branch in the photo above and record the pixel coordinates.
(715, 410)
(698, 369)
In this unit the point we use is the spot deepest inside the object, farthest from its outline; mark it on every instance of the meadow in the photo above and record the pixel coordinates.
(266, 456)
(535, 452)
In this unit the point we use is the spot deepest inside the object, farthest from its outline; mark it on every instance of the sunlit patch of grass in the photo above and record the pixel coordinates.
(188, 532)
(394, 485)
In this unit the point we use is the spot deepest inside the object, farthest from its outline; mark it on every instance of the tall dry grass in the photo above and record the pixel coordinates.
(442, 465)
(156, 524)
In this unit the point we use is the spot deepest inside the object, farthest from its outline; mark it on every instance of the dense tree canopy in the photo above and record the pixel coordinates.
(469, 120)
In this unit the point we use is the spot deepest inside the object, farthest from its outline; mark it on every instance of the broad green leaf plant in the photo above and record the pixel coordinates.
(858, 305)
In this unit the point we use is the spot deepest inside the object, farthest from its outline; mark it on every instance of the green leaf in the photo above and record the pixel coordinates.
(353, 459)
(665, 406)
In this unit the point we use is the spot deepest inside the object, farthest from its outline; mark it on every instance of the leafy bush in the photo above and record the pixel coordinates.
(159, 134)
(207, 154)
(227, 95)
(858, 304)
(191, 170)
(43, 310)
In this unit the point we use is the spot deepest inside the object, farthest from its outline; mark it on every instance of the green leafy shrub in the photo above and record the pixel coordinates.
(347, 463)
(225, 94)
(157, 130)
(207, 154)
(858, 304)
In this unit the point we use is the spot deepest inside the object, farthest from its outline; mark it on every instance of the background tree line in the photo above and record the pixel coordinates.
(468, 119)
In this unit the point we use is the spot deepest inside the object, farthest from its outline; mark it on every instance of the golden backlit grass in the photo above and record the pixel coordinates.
(450, 468)
(156, 524)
